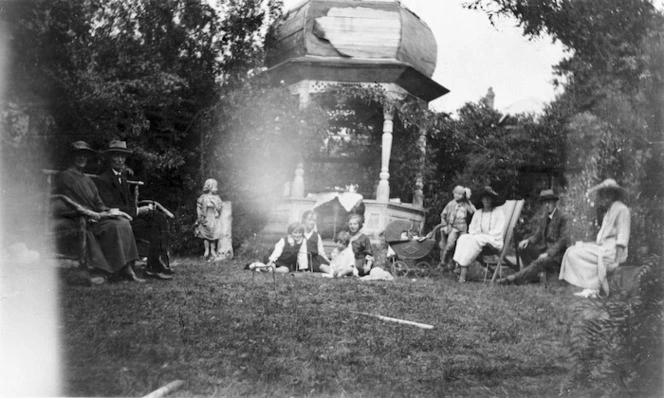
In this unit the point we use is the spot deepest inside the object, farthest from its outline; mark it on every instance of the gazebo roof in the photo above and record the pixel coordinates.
(357, 42)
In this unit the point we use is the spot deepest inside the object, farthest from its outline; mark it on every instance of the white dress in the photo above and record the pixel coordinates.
(486, 228)
(586, 263)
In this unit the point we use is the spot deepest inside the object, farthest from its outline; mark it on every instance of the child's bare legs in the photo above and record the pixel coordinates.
(344, 272)
(206, 244)
(326, 269)
(213, 249)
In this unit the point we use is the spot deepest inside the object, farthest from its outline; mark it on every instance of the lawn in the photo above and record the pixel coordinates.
(230, 332)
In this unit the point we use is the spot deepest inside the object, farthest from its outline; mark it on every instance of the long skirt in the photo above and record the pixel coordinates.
(111, 244)
(586, 264)
(469, 246)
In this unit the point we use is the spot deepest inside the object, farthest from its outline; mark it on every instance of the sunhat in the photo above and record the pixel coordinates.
(118, 146)
(608, 184)
(488, 191)
(81, 146)
(547, 194)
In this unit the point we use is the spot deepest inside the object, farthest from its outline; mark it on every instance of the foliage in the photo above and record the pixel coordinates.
(617, 348)
(610, 118)
(149, 72)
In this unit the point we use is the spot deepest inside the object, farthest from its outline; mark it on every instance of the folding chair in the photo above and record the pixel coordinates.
(512, 210)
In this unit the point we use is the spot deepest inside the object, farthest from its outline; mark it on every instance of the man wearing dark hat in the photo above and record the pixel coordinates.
(544, 249)
(148, 224)
(111, 245)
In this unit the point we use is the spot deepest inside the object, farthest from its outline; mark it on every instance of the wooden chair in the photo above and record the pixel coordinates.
(512, 210)
(59, 207)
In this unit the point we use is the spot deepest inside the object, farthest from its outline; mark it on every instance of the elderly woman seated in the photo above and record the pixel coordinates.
(485, 230)
(111, 244)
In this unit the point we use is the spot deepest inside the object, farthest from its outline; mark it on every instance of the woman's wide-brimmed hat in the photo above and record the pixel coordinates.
(82, 146)
(488, 191)
(608, 184)
(117, 146)
(547, 194)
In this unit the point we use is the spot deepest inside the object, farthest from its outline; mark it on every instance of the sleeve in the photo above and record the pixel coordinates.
(537, 235)
(99, 203)
(200, 208)
(474, 227)
(278, 249)
(623, 225)
(321, 248)
(444, 215)
(368, 250)
(563, 237)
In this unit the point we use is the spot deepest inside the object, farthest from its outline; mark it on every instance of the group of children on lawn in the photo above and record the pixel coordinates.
(303, 249)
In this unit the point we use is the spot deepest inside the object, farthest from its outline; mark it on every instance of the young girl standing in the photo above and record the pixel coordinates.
(361, 245)
(208, 224)
(454, 220)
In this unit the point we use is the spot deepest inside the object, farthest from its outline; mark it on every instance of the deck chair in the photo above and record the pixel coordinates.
(512, 210)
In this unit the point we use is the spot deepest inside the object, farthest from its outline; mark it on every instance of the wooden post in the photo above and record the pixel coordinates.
(418, 193)
(383, 191)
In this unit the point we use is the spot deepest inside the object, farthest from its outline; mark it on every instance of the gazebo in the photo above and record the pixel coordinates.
(320, 43)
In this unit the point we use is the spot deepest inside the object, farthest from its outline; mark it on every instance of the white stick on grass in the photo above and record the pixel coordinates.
(402, 321)
(165, 390)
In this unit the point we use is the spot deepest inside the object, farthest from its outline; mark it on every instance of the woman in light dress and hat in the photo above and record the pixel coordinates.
(586, 264)
(486, 229)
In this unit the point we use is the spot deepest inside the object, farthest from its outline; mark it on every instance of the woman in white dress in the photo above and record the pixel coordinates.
(586, 264)
(486, 229)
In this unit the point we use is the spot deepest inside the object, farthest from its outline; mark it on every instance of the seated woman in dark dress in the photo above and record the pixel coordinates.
(111, 244)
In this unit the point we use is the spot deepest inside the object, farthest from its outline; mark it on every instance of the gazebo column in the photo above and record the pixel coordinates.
(418, 193)
(297, 188)
(383, 191)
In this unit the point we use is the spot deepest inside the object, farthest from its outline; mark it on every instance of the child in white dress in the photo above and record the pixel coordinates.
(208, 224)
(343, 258)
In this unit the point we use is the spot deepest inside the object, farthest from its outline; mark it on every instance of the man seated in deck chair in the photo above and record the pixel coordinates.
(148, 224)
(546, 246)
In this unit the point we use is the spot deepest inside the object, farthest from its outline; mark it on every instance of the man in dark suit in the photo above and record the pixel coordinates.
(148, 224)
(544, 249)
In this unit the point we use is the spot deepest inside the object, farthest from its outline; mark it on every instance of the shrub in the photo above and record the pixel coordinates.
(617, 346)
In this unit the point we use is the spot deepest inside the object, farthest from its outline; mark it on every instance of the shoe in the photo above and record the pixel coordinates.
(131, 275)
(163, 275)
(588, 293)
(506, 281)
(542, 277)
(97, 280)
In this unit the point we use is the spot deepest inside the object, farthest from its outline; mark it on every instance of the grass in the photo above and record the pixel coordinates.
(230, 332)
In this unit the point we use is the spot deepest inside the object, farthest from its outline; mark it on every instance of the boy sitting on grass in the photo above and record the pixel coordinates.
(289, 251)
(343, 258)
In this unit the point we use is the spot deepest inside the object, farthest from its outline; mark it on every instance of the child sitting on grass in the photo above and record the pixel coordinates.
(361, 245)
(289, 251)
(343, 258)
